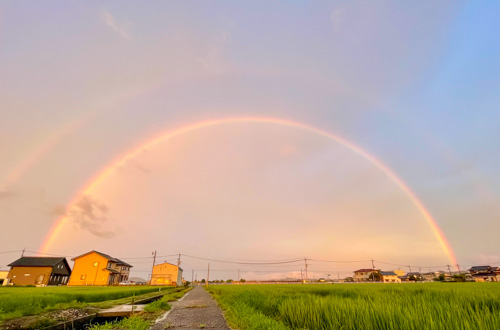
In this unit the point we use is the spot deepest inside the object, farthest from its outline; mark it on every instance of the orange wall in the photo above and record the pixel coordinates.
(91, 266)
(164, 274)
(18, 275)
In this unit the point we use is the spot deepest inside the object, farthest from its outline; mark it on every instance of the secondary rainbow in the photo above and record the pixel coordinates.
(102, 175)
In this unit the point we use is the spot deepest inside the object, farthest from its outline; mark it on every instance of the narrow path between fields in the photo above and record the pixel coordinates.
(196, 310)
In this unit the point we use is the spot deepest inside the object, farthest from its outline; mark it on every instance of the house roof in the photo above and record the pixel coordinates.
(363, 270)
(387, 273)
(413, 273)
(169, 264)
(36, 262)
(478, 268)
(111, 270)
(484, 274)
(107, 256)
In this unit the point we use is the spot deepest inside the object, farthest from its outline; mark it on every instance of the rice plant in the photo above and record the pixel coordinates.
(362, 306)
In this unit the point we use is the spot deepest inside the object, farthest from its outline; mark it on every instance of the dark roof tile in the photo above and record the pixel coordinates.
(36, 261)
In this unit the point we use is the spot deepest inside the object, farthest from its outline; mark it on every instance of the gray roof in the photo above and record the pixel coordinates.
(387, 273)
(477, 268)
(36, 261)
(107, 256)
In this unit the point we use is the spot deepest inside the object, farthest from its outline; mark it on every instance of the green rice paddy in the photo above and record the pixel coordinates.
(22, 301)
(361, 306)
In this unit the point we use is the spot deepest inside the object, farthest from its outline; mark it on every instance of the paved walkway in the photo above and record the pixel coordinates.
(196, 310)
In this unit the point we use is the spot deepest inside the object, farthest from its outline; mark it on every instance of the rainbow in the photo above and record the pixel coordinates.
(121, 160)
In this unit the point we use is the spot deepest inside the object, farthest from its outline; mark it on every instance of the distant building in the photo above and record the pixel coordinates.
(399, 272)
(430, 276)
(3, 277)
(166, 274)
(485, 273)
(97, 268)
(411, 276)
(365, 275)
(39, 271)
(137, 281)
(389, 277)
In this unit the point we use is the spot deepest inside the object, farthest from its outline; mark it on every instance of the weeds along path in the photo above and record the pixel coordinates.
(196, 310)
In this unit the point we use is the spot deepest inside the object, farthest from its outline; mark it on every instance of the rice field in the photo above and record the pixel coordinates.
(22, 301)
(361, 306)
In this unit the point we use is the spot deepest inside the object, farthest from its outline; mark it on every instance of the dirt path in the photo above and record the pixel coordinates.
(196, 310)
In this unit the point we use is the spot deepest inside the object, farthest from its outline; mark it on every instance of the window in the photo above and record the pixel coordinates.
(95, 264)
(82, 277)
(26, 274)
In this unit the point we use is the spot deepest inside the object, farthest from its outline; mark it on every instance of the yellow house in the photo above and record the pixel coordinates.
(389, 277)
(399, 272)
(365, 275)
(96, 268)
(166, 274)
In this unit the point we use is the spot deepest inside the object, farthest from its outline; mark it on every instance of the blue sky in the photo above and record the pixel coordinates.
(416, 84)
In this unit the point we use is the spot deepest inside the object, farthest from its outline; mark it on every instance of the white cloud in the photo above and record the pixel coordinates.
(120, 28)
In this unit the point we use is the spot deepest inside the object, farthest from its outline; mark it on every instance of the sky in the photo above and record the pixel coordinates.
(346, 131)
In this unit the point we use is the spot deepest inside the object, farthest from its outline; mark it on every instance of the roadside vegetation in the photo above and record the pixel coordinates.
(16, 302)
(361, 306)
(143, 320)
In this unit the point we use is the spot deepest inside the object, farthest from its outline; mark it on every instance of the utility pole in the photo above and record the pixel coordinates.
(301, 276)
(458, 267)
(179, 260)
(22, 253)
(449, 270)
(152, 269)
(192, 276)
(338, 276)
(373, 272)
(208, 274)
(409, 267)
(238, 279)
(305, 261)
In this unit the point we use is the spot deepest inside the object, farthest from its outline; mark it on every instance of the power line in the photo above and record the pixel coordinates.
(246, 263)
(11, 251)
(339, 261)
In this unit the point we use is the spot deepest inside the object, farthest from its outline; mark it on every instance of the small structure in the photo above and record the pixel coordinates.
(3, 277)
(389, 277)
(485, 274)
(39, 271)
(166, 274)
(366, 275)
(97, 268)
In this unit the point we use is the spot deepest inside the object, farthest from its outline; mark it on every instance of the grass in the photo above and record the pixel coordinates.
(132, 323)
(17, 302)
(361, 306)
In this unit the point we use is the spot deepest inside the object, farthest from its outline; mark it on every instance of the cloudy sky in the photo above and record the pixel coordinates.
(413, 88)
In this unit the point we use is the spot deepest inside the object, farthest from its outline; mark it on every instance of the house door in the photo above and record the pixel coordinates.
(39, 279)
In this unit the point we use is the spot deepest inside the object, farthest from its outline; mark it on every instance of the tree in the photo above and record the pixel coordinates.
(203, 281)
(229, 281)
(243, 280)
